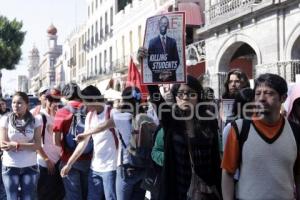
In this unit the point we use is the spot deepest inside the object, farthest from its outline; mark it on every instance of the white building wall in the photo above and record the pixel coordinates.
(270, 32)
(107, 42)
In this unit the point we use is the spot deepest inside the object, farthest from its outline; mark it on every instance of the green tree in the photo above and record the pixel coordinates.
(11, 40)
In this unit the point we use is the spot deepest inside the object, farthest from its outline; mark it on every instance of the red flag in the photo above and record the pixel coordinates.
(134, 79)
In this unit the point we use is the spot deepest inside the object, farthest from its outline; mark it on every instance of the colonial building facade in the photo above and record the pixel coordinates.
(255, 35)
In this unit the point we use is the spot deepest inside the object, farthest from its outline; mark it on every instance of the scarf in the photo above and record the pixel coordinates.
(28, 117)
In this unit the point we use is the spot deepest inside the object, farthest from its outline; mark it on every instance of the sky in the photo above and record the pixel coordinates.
(37, 16)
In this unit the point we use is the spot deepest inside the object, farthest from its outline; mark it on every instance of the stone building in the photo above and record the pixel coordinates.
(257, 36)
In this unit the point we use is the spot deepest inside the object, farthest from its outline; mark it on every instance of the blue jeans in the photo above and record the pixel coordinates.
(102, 185)
(26, 178)
(128, 183)
(76, 183)
(2, 189)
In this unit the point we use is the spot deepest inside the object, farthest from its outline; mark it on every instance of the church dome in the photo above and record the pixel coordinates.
(52, 30)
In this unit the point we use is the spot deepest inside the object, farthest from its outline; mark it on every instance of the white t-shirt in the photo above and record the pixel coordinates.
(22, 158)
(105, 151)
(123, 125)
(52, 151)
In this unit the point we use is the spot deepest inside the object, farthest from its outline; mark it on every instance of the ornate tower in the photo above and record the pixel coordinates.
(33, 67)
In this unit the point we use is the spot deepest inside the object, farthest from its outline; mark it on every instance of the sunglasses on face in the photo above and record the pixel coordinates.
(189, 94)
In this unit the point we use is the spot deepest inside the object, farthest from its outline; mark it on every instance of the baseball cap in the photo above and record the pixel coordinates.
(43, 90)
(53, 94)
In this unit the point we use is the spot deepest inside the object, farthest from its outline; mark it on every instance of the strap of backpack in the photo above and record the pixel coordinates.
(242, 135)
(70, 108)
(44, 126)
(295, 128)
(112, 130)
(296, 131)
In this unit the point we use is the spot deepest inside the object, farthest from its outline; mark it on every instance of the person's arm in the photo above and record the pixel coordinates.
(227, 185)
(157, 153)
(75, 155)
(3, 135)
(100, 128)
(16, 146)
(50, 164)
(230, 164)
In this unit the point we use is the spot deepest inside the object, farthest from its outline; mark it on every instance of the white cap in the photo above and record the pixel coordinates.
(43, 89)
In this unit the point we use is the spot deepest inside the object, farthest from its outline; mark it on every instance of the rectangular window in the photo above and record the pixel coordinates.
(130, 42)
(106, 24)
(140, 35)
(100, 63)
(111, 16)
(92, 7)
(96, 68)
(123, 47)
(105, 61)
(92, 68)
(88, 68)
(110, 57)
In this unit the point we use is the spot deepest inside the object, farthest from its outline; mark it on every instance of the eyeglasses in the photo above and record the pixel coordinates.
(189, 94)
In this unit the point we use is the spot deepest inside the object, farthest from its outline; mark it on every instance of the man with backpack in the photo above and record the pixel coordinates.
(69, 120)
(50, 184)
(102, 176)
(265, 149)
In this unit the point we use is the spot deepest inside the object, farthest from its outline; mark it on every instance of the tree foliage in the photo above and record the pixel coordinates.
(11, 40)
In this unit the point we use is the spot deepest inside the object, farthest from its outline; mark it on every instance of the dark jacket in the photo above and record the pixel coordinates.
(176, 175)
(156, 48)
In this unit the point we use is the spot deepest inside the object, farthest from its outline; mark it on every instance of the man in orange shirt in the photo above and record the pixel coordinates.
(270, 153)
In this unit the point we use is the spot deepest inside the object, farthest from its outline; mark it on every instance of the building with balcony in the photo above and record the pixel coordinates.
(257, 36)
(71, 66)
(113, 32)
(98, 43)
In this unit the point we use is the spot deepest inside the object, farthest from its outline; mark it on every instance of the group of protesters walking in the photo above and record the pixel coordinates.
(255, 155)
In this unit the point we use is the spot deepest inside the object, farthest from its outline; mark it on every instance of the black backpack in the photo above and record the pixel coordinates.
(77, 127)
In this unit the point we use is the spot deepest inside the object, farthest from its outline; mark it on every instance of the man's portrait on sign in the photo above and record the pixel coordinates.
(164, 40)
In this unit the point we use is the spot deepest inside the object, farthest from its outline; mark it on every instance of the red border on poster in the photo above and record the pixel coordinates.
(183, 49)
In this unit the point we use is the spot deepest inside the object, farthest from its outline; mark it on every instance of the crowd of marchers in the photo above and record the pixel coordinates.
(77, 145)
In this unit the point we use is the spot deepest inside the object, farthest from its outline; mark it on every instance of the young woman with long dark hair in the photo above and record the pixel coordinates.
(20, 137)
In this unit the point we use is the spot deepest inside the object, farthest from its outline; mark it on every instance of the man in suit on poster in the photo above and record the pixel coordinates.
(163, 59)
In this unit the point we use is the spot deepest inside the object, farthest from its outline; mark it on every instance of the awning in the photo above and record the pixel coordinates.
(112, 94)
(103, 85)
(192, 13)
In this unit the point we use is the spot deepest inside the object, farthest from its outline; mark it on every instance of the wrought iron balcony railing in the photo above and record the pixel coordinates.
(226, 8)
(286, 69)
(195, 52)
